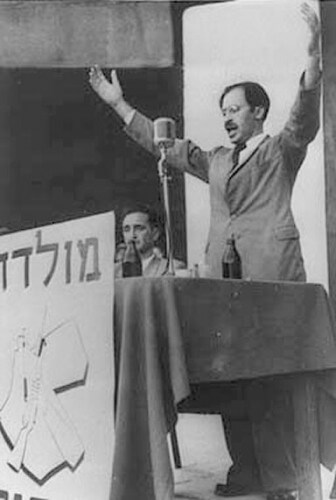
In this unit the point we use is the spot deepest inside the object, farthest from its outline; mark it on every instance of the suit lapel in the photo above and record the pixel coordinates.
(154, 267)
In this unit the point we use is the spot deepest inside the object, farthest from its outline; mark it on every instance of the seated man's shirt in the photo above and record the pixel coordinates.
(152, 267)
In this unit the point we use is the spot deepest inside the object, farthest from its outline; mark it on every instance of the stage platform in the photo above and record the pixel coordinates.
(206, 460)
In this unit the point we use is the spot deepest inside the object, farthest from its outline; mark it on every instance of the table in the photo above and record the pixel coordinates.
(174, 331)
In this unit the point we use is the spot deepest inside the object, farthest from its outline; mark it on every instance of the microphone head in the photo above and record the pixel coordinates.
(164, 132)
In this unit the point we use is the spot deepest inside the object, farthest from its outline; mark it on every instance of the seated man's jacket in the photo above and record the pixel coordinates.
(157, 266)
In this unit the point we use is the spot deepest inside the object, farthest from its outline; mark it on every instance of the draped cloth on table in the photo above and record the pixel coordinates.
(152, 378)
(80, 33)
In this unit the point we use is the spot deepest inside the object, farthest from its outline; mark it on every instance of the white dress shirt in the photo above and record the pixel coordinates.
(251, 146)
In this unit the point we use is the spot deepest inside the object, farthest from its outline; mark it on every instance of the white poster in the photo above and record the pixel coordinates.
(56, 361)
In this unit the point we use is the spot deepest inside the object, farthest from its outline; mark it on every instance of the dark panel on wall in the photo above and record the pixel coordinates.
(63, 152)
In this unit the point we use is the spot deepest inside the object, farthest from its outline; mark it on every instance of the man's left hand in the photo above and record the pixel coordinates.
(310, 17)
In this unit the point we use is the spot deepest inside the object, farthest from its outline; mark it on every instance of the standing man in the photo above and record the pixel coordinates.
(250, 196)
(140, 223)
(250, 185)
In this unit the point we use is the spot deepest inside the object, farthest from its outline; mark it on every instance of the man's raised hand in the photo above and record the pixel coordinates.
(310, 17)
(108, 91)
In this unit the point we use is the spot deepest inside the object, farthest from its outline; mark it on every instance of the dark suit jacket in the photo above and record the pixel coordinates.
(253, 201)
(156, 267)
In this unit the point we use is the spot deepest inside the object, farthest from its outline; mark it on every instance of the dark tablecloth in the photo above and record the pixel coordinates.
(174, 331)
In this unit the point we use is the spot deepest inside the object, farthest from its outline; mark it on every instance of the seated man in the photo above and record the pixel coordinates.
(141, 224)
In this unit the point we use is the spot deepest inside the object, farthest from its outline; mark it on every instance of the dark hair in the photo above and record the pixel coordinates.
(255, 95)
(153, 217)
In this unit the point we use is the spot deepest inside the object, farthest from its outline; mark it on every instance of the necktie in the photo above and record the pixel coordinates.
(236, 152)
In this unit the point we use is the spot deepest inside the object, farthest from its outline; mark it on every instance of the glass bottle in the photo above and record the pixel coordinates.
(120, 253)
(231, 262)
(131, 264)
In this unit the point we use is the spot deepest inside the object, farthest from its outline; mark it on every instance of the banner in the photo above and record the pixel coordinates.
(56, 361)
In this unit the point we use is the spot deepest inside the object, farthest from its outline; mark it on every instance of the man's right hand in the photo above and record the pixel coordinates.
(108, 91)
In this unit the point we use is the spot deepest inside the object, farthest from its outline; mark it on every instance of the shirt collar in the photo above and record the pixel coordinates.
(255, 141)
(145, 262)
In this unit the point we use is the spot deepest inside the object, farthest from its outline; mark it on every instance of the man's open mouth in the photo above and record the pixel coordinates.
(231, 131)
(231, 128)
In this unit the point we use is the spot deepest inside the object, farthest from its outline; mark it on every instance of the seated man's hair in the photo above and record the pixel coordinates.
(153, 217)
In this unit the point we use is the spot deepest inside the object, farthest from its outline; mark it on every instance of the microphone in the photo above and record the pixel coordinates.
(164, 138)
(164, 132)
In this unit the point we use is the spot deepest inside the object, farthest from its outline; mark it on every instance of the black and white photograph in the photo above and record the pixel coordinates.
(167, 249)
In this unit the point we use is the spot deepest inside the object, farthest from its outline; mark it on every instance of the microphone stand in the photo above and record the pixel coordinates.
(164, 178)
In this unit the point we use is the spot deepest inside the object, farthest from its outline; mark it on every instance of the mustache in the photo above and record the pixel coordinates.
(229, 125)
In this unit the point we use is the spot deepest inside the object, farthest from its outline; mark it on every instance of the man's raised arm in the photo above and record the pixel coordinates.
(185, 155)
